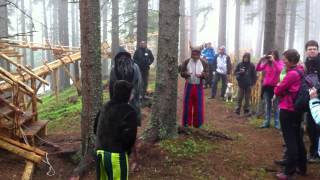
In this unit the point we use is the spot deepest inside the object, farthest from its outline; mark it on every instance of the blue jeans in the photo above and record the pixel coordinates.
(267, 97)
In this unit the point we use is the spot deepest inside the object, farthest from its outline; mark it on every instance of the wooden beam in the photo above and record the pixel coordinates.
(14, 79)
(23, 68)
(31, 156)
(41, 70)
(24, 146)
(28, 171)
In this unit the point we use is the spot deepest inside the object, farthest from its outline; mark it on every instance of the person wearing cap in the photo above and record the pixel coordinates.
(221, 70)
(194, 70)
(143, 57)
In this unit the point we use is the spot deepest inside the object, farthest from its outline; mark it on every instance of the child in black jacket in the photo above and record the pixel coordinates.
(116, 130)
(246, 76)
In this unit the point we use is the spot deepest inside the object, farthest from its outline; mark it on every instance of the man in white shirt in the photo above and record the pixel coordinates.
(221, 70)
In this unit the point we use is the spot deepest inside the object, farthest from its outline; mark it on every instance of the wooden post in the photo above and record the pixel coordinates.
(23, 146)
(34, 99)
(28, 171)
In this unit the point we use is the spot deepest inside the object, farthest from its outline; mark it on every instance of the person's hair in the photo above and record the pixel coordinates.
(246, 55)
(275, 54)
(292, 55)
(311, 43)
(122, 91)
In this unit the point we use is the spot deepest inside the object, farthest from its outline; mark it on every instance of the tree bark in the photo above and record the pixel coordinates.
(183, 34)
(91, 78)
(270, 25)
(64, 40)
(115, 28)
(307, 21)
(222, 23)
(293, 9)
(259, 41)
(163, 120)
(281, 25)
(31, 36)
(74, 41)
(193, 22)
(23, 30)
(142, 21)
(4, 21)
(237, 32)
(105, 69)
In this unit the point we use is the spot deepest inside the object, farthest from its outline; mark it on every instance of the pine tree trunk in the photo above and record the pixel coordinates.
(105, 38)
(193, 22)
(142, 21)
(74, 41)
(23, 30)
(64, 40)
(91, 78)
(31, 37)
(237, 32)
(270, 25)
(307, 21)
(115, 27)
(163, 120)
(259, 41)
(293, 9)
(222, 23)
(3, 26)
(182, 40)
(280, 25)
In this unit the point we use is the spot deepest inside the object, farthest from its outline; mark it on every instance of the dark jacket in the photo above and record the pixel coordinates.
(116, 127)
(184, 70)
(229, 66)
(246, 74)
(143, 57)
(313, 65)
(134, 78)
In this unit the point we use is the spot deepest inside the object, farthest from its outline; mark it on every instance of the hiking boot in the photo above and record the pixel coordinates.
(264, 126)
(281, 162)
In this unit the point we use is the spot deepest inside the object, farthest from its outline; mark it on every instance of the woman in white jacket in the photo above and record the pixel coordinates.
(314, 104)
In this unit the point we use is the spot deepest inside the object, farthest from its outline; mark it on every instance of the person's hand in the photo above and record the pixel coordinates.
(199, 75)
(313, 93)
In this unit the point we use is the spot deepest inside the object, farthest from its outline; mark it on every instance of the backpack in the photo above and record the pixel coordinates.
(301, 101)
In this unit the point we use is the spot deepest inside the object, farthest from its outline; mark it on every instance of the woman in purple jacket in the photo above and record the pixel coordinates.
(290, 119)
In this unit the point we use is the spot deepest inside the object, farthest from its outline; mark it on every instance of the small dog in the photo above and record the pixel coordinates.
(229, 93)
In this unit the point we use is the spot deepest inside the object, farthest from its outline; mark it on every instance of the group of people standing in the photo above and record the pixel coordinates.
(281, 84)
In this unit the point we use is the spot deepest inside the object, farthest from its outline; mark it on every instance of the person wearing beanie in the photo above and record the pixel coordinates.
(194, 70)
(116, 129)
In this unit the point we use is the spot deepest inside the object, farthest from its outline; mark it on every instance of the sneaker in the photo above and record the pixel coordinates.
(264, 126)
(283, 176)
(313, 159)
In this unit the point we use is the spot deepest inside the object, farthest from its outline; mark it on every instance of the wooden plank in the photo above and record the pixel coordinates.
(31, 156)
(42, 70)
(24, 68)
(14, 79)
(28, 171)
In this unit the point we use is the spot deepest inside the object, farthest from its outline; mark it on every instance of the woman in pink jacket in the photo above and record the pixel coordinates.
(290, 119)
(271, 65)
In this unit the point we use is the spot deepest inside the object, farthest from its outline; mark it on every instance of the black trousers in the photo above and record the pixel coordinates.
(313, 133)
(145, 79)
(293, 138)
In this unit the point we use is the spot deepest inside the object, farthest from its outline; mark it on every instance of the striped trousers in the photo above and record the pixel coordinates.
(193, 105)
(111, 166)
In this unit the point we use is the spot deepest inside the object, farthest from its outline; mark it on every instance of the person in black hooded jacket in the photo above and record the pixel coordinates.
(116, 129)
(246, 76)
